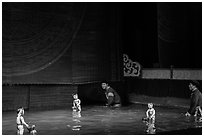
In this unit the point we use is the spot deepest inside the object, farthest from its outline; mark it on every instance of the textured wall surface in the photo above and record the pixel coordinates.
(35, 35)
(55, 96)
(60, 43)
(38, 97)
(187, 74)
(57, 73)
(14, 97)
(156, 74)
(91, 54)
(159, 87)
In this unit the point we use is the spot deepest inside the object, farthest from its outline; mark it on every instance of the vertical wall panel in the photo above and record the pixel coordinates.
(51, 96)
(14, 97)
(89, 33)
(91, 48)
(57, 73)
(115, 35)
(159, 87)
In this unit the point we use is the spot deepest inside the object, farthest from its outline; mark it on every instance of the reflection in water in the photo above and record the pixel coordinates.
(107, 125)
(198, 122)
(150, 123)
(106, 120)
(76, 126)
(76, 115)
(151, 128)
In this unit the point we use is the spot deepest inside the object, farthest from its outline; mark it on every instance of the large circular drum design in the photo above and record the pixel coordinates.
(34, 35)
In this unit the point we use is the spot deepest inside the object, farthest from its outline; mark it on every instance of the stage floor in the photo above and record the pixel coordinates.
(101, 120)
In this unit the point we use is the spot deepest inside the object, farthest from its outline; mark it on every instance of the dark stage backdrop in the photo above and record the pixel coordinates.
(84, 42)
(51, 50)
(59, 43)
(37, 96)
(164, 34)
(180, 34)
(96, 52)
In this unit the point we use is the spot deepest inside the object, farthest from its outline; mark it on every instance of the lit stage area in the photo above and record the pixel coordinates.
(101, 120)
(146, 52)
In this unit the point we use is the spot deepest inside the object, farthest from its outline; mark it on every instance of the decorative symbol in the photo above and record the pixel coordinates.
(131, 68)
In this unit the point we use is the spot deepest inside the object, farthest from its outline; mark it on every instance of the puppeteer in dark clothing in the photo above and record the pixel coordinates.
(196, 101)
(112, 97)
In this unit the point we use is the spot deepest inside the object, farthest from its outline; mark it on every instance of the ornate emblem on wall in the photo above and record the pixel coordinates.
(132, 69)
